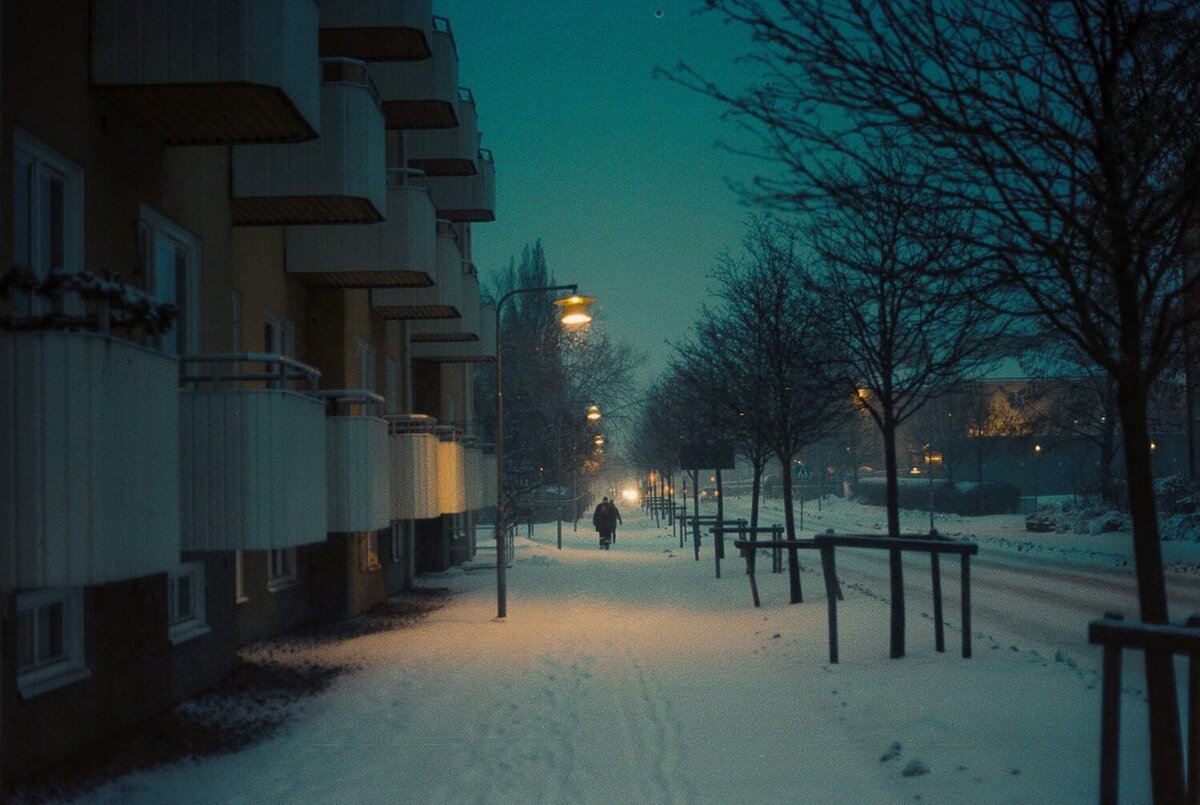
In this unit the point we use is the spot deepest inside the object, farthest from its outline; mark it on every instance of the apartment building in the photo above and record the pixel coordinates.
(178, 481)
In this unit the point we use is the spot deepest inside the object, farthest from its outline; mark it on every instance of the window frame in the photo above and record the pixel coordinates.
(283, 330)
(400, 530)
(42, 159)
(239, 577)
(151, 226)
(287, 577)
(196, 624)
(71, 667)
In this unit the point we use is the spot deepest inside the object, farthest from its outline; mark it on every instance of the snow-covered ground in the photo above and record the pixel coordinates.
(636, 676)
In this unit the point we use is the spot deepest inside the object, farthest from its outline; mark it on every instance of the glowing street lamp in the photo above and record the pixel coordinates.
(574, 314)
(593, 413)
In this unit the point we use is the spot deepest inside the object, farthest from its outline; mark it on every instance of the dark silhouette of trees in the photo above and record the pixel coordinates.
(1067, 130)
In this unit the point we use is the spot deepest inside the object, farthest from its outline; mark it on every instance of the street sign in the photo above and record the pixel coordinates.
(803, 472)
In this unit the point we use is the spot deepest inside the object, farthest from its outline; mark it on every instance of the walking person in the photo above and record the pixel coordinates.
(605, 519)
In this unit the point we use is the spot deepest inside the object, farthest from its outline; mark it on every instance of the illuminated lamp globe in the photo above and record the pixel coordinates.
(593, 413)
(575, 311)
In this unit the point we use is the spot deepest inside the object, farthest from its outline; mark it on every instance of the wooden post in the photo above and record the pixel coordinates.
(776, 552)
(1110, 719)
(966, 606)
(750, 557)
(939, 632)
(1193, 750)
(830, 572)
(897, 588)
(718, 545)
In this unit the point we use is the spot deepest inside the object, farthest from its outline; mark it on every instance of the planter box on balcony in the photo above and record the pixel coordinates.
(467, 198)
(339, 178)
(414, 468)
(89, 460)
(254, 469)
(210, 71)
(443, 299)
(398, 252)
(422, 94)
(359, 495)
(447, 152)
(377, 30)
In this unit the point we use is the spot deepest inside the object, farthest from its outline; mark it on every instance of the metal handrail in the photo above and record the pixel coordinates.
(465, 94)
(408, 177)
(366, 81)
(442, 25)
(486, 155)
(351, 397)
(276, 379)
(410, 423)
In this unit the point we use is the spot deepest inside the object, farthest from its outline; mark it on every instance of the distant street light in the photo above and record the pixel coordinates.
(574, 313)
(593, 413)
(1037, 452)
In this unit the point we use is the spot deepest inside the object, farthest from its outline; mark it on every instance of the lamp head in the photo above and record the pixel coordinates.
(575, 311)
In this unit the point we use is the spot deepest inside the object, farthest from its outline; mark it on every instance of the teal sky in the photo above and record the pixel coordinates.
(616, 171)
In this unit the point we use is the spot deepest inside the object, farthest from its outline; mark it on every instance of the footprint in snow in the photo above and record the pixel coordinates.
(892, 753)
(915, 768)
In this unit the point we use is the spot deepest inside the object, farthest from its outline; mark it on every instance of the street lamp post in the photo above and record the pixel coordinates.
(574, 313)
(931, 459)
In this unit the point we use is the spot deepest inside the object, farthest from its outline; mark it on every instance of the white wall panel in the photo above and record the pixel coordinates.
(414, 476)
(447, 277)
(359, 494)
(254, 469)
(89, 460)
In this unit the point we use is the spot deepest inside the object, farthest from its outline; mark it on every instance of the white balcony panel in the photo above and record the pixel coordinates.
(89, 460)
(473, 472)
(339, 178)
(358, 491)
(211, 71)
(414, 476)
(479, 351)
(467, 198)
(452, 492)
(442, 300)
(377, 30)
(422, 94)
(464, 328)
(254, 469)
(447, 152)
(398, 252)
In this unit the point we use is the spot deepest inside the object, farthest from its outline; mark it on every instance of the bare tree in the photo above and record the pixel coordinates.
(1068, 129)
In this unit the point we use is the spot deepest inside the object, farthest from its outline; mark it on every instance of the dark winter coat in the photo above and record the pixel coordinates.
(606, 517)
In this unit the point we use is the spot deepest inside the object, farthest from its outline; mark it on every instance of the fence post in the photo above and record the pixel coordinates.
(1193, 755)
(1110, 719)
(830, 573)
(939, 632)
(966, 606)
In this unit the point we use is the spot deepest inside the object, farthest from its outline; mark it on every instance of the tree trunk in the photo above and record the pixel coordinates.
(755, 491)
(720, 499)
(895, 564)
(1108, 449)
(789, 518)
(1166, 755)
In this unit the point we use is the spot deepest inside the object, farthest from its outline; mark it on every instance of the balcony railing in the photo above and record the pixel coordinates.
(422, 94)
(443, 299)
(377, 31)
(467, 198)
(338, 178)
(413, 448)
(399, 252)
(452, 491)
(89, 460)
(447, 152)
(359, 496)
(254, 453)
(199, 72)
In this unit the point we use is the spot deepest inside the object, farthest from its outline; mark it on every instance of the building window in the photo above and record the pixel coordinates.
(185, 602)
(239, 575)
(170, 263)
(49, 640)
(279, 335)
(401, 533)
(47, 217)
(368, 547)
(281, 569)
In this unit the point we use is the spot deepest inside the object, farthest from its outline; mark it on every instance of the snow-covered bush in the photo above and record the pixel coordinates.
(1175, 494)
(105, 301)
(1109, 521)
(1181, 527)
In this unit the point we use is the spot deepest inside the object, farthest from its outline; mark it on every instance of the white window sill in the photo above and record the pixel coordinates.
(278, 585)
(187, 631)
(41, 682)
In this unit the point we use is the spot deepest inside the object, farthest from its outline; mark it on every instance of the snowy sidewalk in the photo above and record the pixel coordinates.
(635, 676)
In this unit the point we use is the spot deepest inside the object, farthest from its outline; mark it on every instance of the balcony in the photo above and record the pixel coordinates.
(439, 301)
(338, 178)
(467, 198)
(89, 460)
(398, 252)
(413, 452)
(452, 490)
(447, 152)
(479, 350)
(372, 30)
(198, 72)
(254, 448)
(422, 94)
(358, 493)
